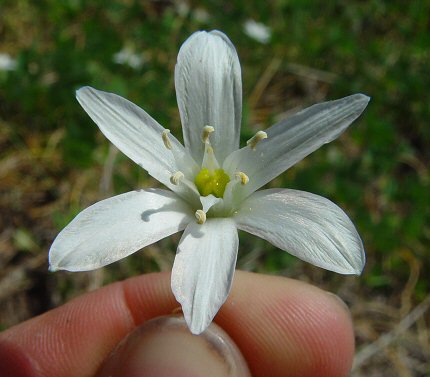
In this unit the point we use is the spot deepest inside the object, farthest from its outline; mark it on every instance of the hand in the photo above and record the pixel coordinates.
(282, 327)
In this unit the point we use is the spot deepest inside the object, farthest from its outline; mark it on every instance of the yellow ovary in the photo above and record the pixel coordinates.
(211, 182)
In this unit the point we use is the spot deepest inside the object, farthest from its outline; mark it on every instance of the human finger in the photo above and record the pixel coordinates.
(279, 324)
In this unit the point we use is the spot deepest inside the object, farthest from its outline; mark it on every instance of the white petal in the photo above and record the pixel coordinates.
(203, 270)
(137, 135)
(209, 92)
(208, 202)
(306, 225)
(117, 227)
(292, 139)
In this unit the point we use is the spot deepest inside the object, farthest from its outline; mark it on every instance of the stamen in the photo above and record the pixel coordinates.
(242, 177)
(207, 130)
(166, 141)
(260, 135)
(200, 216)
(175, 178)
(209, 159)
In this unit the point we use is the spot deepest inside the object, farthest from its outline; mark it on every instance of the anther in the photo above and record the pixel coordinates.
(166, 141)
(175, 178)
(260, 135)
(200, 216)
(207, 130)
(242, 177)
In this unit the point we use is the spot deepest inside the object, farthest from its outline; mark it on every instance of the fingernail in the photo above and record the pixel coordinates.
(165, 347)
(339, 301)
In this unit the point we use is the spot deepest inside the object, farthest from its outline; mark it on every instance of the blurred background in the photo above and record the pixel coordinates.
(54, 162)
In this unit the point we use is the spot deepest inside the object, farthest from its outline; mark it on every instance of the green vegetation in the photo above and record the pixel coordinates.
(54, 161)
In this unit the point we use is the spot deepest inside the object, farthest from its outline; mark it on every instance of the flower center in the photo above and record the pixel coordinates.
(212, 179)
(211, 182)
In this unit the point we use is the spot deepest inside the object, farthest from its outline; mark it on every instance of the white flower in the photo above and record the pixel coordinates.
(258, 31)
(212, 184)
(7, 63)
(127, 56)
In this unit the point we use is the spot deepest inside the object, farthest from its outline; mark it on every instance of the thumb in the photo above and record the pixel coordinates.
(165, 347)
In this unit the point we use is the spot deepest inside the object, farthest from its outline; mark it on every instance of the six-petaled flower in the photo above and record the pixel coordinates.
(213, 183)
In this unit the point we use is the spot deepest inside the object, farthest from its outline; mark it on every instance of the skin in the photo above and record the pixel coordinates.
(281, 325)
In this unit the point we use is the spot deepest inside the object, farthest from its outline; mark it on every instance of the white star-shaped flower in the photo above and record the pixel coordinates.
(213, 184)
(258, 31)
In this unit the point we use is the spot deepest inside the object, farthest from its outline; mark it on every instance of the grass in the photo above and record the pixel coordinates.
(54, 161)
